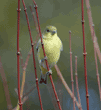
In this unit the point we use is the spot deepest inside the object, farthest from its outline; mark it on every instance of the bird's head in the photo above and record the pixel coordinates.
(49, 32)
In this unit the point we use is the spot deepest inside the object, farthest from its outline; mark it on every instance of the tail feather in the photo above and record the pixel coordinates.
(43, 80)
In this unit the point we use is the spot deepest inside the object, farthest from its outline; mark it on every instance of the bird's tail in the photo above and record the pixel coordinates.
(43, 79)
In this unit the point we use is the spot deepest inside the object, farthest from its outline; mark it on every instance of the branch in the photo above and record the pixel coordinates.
(3, 76)
(33, 54)
(71, 68)
(84, 54)
(50, 76)
(66, 86)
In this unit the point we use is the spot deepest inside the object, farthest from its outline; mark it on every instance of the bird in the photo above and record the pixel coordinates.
(53, 47)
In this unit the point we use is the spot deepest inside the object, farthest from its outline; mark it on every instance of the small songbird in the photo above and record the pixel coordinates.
(53, 47)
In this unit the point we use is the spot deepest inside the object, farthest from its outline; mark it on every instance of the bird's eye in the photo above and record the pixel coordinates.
(47, 30)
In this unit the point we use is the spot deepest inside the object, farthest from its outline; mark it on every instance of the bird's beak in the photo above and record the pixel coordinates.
(53, 32)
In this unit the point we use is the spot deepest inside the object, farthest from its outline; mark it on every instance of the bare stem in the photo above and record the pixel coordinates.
(36, 25)
(23, 101)
(24, 72)
(33, 55)
(21, 59)
(3, 76)
(84, 54)
(27, 103)
(76, 78)
(91, 29)
(66, 86)
(97, 73)
(49, 87)
(50, 76)
(60, 90)
(71, 69)
(18, 54)
(35, 21)
(25, 96)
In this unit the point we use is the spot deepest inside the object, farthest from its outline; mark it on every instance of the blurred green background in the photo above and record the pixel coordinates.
(65, 15)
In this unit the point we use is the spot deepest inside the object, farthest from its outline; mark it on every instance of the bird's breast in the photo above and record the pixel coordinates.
(52, 50)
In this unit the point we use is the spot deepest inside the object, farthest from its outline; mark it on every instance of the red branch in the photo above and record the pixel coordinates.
(84, 54)
(33, 54)
(91, 29)
(97, 73)
(50, 76)
(6, 90)
(76, 78)
(66, 85)
(18, 54)
(71, 69)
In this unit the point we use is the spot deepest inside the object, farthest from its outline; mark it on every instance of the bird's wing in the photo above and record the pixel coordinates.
(60, 42)
(38, 45)
(61, 46)
(42, 63)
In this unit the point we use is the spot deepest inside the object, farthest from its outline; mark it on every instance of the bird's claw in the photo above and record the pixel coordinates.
(49, 72)
(42, 60)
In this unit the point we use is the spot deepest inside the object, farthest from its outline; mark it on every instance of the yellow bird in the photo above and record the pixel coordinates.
(53, 47)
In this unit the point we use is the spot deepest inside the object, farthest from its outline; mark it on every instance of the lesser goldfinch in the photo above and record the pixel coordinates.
(53, 47)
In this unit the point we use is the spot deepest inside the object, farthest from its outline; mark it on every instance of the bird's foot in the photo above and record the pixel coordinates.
(49, 72)
(42, 60)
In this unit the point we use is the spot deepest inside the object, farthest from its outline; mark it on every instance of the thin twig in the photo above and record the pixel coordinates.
(71, 69)
(21, 59)
(76, 78)
(25, 96)
(60, 90)
(97, 73)
(35, 21)
(24, 74)
(49, 87)
(23, 101)
(36, 25)
(66, 86)
(33, 54)
(27, 59)
(50, 76)
(18, 54)
(27, 103)
(84, 54)
(27, 93)
(91, 29)
(24, 66)
(24, 71)
(3, 76)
